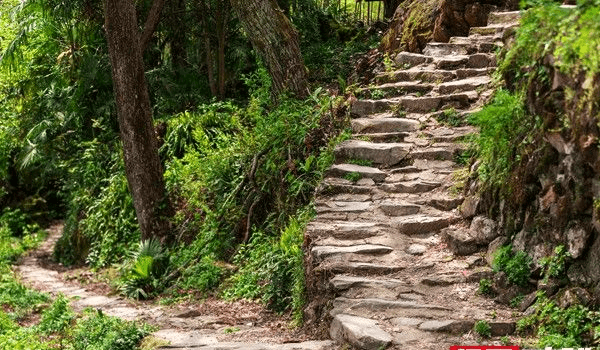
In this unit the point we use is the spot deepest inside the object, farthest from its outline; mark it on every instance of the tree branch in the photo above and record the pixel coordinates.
(151, 23)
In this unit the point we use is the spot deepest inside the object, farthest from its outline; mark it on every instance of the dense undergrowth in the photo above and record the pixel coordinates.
(550, 74)
(240, 167)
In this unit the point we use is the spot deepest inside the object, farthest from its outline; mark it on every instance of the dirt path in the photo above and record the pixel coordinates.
(213, 324)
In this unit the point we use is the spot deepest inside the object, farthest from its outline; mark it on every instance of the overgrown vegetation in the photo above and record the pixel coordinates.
(240, 165)
(558, 327)
(516, 266)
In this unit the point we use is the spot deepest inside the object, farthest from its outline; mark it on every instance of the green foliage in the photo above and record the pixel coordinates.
(555, 265)
(556, 327)
(483, 328)
(353, 176)
(16, 297)
(272, 269)
(450, 117)
(504, 130)
(517, 266)
(58, 317)
(96, 331)
(143, 276)
(485, 287)
(362, 162)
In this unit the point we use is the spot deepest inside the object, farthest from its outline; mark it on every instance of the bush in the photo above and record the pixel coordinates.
(143, 276)
(483, 328)
(58, 317)
(517, 266)
(95, 331)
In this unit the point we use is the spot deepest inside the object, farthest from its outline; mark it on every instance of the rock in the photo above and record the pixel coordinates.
(416, 249)
(341, 170)
(550, 287)
(360, 332)
(577, 239)
(411, 59)
(399, 209)
(527, 301)
(484, 230)
(460, 240)
(422, 224)
(574, 296)
(380, 125)
(319, 253)
(493, 247)
(379, 153)
(469, 206)
(406, 321)
(501, 328)
(447, 326)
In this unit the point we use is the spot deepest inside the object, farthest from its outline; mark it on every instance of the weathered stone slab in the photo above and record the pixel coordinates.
(463, 84)
(341, 170)
(404, 59)
(378, 153)
(416, 186)
(349, 207)
(447, 326)
(370, 125)
(393, 208)
(360, 332)
(422, 224)
(319, 253)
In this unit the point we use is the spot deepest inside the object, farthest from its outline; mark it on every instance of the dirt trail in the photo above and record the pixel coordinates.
(213, 324)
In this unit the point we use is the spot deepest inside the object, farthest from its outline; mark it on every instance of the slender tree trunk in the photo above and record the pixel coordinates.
(178, 29)
(142, 164)
(203, 14)
(389, 7)
(276, 41)
(151, 23)
(221, 19)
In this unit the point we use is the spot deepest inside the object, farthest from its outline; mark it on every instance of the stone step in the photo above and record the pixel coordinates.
(342, 283)
(386, 154)
(462, 85)
(360, 268)
(423, 74)
(452, 49)
(342, 170)
(395, 89)
(508, 17)
(494, 29)
(384, 125)
(441, 201)
(320, 253)
(449, 134)
(494, 40)
(416, 186)
(334, 186)
(420, 224)
(409, 59)
(412, 104)
(438, 152)
(463, 73)
(359, 332)
(347, 207)
(399, 208)
(344, 230)
(382, 136)
(474, 61)
(383, 308)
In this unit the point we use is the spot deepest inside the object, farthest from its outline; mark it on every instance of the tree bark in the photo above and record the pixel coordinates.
(389, 8)
(151, 23)
(140, 150)
(276, 41)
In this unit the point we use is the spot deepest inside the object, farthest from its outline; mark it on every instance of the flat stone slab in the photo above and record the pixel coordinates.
(360, 332)
(415, 186)
(383, 125)
(447, 326)
(378, 153)
(393, 208)
(319, 253)
(342, 283)
(343, 207)
(344, 230)
(463, 84)
(341, 170)
(422, 224)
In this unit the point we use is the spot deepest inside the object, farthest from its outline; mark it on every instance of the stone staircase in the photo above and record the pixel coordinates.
(377, 254)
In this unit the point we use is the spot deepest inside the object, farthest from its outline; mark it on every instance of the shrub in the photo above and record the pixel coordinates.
(483, 328)
(517, 266)
(57, 317)
(143, 276)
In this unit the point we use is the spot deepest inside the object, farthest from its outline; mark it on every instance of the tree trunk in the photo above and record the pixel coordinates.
(140, 150)
(389, 7)
(276, 41)
(221, 19)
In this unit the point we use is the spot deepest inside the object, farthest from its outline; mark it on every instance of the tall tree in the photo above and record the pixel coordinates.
(140, 149)
(276, 41)
(389, 7)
